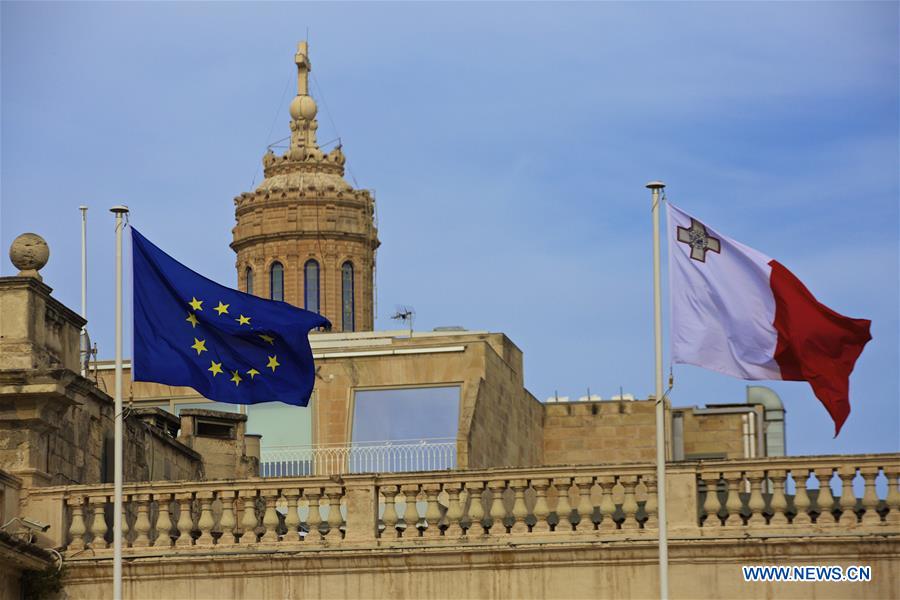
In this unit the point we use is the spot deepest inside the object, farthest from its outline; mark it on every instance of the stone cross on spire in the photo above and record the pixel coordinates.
(303, 111)
(303, 69)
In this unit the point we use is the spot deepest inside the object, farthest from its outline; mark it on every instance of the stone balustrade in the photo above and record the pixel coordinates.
(762, 497)
(208, 514)
(799, 493)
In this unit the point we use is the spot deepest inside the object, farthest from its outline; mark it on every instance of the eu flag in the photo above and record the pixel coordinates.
(229, 346)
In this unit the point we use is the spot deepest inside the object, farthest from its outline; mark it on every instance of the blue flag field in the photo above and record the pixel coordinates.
(229, 346)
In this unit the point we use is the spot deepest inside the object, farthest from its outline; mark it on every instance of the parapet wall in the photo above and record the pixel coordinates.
(541, 532)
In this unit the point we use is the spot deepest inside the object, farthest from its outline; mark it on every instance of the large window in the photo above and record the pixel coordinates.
(248, 280)
(276, 282)
(347, 303)
(311, 286)
(405, 429)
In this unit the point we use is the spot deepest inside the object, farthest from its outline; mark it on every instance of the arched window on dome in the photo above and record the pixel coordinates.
(347, 300)
(248, 280)
(311, 286)
(276, 281)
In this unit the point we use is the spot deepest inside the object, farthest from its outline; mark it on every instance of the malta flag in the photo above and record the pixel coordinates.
(739, 312)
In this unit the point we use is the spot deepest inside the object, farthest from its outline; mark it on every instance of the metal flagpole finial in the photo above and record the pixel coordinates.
(119, 208)
(655, 185)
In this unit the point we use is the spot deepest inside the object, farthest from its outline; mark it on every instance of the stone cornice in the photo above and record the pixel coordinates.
(244, 206)
(43, 290)
(328, 235)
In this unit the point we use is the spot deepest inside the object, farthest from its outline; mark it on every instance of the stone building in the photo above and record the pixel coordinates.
(422, 468)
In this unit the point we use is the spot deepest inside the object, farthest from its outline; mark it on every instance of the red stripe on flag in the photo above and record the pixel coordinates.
(815, 344)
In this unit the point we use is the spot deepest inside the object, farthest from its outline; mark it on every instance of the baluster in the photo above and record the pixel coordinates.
(411, 512)
(733, 503)
(314, 517)
(498, 511)
(476, 508)
(825, 500)
(756, 504)
(651, 504)
(227, 521)
(563, 508)
(801, 498)
(585, 506)
(163, 527)
(292, 518)
(870, 497)
(205, 523)
(454, 510)
(98, 525)
(712, 504)
(779, 500)
(142, 521)
(432, 511)
(334, 513)
(126, 500)
(541, 508)
(185, 520)
(270, 517)
(519, 508)
(607, 504)
(893, 495)
(629, 504)
(847, 502)
(249, 520)
(76, 528)
(390, 511)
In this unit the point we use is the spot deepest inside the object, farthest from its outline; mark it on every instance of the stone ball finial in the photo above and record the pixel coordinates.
(303, 107)
(29, 253)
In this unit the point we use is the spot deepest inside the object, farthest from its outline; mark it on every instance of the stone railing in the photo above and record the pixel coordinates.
(829, 492)
(586, 504)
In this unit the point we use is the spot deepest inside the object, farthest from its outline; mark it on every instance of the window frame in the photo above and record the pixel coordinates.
(344, 312)
(272, 280)
(312, 262)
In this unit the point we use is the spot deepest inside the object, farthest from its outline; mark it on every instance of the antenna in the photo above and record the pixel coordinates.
(407, 314)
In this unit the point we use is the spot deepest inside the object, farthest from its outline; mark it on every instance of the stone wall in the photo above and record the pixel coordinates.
(599, 432)
(699, 569)
(718, 435)
(502, 421)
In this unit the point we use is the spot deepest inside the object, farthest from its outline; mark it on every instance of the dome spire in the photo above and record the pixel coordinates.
(303, 111)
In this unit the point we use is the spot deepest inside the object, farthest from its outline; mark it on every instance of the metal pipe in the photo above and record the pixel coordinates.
(84, 346)
(119, 211)
(655, 187)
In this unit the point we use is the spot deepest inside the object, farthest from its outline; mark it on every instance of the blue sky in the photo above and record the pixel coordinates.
(508, 146)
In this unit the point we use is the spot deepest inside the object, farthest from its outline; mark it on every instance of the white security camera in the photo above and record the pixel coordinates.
(34, 526)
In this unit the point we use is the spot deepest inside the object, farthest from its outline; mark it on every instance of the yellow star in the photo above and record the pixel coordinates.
(192, 319)
(215, 367)
(236, 378)
(196, 304)
(252, 373)
(222, 308)
(273, 362)
(242, 320)
(267, 338)
(199, 346)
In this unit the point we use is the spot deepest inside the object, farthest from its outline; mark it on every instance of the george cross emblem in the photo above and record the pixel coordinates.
(699, 240)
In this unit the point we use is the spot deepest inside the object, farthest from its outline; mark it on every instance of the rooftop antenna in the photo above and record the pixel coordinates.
(407, 314)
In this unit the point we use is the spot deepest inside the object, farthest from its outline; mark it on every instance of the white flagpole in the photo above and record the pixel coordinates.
(119, 211)
(83, 345)
(655, 187)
